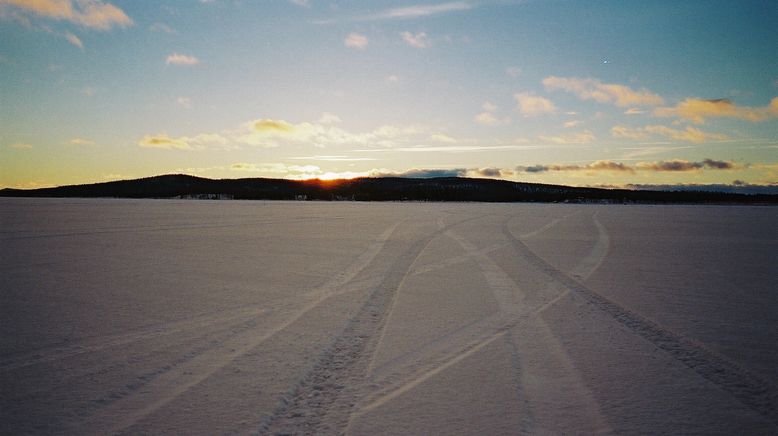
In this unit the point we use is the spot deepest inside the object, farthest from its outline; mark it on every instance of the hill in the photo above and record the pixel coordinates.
(376, 189)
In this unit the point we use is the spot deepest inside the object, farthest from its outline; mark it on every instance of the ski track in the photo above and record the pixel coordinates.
(159, 387)
(323, 399)
(758, 394)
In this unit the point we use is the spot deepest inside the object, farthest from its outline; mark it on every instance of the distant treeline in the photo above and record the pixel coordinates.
(378, 189)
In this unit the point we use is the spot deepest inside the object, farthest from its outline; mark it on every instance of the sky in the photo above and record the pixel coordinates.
(585, 93)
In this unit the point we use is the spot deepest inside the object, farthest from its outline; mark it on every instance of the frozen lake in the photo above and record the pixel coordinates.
(212, 317)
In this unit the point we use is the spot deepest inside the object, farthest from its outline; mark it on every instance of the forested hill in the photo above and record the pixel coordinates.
(376, 189)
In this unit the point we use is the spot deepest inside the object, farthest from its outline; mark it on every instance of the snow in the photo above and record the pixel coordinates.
(212, 317)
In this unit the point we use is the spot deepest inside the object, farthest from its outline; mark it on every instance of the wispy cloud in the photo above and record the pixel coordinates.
(334, 158)
(73, 39)
(488, 117)
(530, 105)
(418, 40)
(685, 165)
(81, 141)
(584, 137)
(199, 142)
(417, 11)
(21, 146)
(593, 89)
(698, 110)
(162, 27)
(356, 40)
(181, 59)
(94, 14)
(676, 165)
(690, 134)
(184, 102)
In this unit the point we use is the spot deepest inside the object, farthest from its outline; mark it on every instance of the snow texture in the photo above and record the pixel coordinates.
(214, 317)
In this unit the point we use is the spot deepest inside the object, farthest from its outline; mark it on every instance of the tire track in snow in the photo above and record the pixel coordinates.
(406, 372)
(571, 392)
(150, 392)
(758, 394)
(323, 400)
(91, 345)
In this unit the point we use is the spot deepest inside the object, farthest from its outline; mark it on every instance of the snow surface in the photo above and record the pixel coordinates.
(213, 317)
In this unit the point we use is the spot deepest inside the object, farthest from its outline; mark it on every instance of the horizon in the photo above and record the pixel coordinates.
(600, 94)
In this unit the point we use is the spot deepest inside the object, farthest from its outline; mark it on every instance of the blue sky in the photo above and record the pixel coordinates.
(595, 93)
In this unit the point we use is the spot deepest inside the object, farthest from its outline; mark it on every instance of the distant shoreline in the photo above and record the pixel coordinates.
(443, 189)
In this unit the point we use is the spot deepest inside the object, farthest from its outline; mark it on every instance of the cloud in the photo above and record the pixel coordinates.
(328, 118)
(600, 165)
(93, 14)
(690, 134)
(333, 158)
(634, 111)
(697, 110)
(571, 124)
(584, 137)
(488, 119)
(392, 79)
(593, 89)
(417, 11)
(685, 165)
(530, 105)
(21, 146)
(424, 173)
(180, 59)
(80, 141)
(162, 27)
(199, 142)
(440, 137)
(607, 165)
(73, 39)
(418, 40)
(356, 40)
(451, 148)
(490, 172)
(305, 3)
(164, 142)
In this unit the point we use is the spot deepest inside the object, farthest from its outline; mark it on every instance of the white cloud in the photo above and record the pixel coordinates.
(180, 59)
(94, 14)
(571, 124)
(328, 118)
(418, 40)
(488, 119)
(184, 102)
(305, 3)
(80, 141)
(584, 137)
(199, 142)
(488, 106)
(161, 27)
(697, 110)
(593, 89)
(416, 11)
(356, 40)
(530, 105)
(73, 39)
(690, 134)
(20, 146)
(392, 79)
